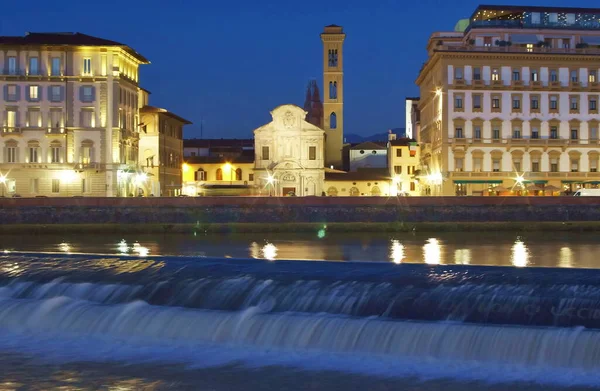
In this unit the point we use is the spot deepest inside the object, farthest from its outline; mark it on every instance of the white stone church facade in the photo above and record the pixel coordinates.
(289, 154)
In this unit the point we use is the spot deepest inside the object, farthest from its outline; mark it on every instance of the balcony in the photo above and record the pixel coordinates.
(516, 49)
(7, 130)
(536, 85)
(55, 131)
(478, 84)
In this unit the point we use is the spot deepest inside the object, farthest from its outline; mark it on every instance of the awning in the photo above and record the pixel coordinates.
(478, 181)
(524, 38)
(591, 40)
(592, 182)
(569, 181)
(536, 182)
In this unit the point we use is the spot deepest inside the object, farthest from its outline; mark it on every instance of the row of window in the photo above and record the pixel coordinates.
(55, 118)
(200, 175)
(411, 152)
(410, 170)
(518, 166)
(517, 131)
(312, 153)
(34, 93)
(56, 152)
(34, 67)
(534, 74)
(517, 103)
(55, 185)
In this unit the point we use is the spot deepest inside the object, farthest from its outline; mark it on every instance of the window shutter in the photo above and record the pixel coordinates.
(27, 95)
(93, 94)
(81, 94)
(6, 92)
(40, 94)
(49, 92)
(18, 90)
(62, 93)
(17, 119)
(196, 176)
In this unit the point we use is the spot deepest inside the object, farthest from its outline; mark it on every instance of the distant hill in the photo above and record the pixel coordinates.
(355, 138)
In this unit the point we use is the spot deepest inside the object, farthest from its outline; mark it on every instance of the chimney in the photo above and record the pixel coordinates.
(391, 136)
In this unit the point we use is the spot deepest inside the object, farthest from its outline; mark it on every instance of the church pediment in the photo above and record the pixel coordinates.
(288, 165)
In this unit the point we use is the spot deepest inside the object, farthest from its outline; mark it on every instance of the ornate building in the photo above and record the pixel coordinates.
(509, 103)
(68, 115)
(333, 82)
(289, 154)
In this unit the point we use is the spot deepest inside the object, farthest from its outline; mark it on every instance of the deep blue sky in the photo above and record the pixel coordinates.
(231, 62)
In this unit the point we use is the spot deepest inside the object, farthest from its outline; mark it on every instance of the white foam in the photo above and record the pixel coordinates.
(62, 329)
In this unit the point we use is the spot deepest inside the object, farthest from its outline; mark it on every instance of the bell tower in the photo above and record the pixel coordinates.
(333, 92)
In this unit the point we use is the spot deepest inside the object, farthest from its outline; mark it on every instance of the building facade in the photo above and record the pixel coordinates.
(404, 162)
(333, 103)
(160, 149)
(289, 154)
(510, 104)
(368, 154)
(68, 115)
(412, 118)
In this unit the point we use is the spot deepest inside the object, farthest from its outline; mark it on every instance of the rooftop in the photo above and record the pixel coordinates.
(402, 142)
(66, 39)
(363, 174)
(152, 109)
(535, 17)
(219, 142)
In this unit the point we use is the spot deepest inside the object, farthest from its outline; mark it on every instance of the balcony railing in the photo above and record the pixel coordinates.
(536, 175)
(11, 130)
(517, 49)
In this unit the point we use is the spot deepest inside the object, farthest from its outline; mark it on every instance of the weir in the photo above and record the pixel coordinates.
(451, 314)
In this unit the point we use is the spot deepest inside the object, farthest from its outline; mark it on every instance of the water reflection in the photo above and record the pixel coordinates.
(122, 247)
(65, 247)
(566, 257)
(269, 251)
(462, 256)
(254, 250)
(432, 252)
(520, 254)
(396, 251)
(140, 250)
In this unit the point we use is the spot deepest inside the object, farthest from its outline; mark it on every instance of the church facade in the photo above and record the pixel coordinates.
(289, 154)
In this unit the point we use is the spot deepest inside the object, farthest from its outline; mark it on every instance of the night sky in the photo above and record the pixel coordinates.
(228, 63)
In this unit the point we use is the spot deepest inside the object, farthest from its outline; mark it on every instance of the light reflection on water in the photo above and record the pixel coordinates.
(547, 249)
(520, 254)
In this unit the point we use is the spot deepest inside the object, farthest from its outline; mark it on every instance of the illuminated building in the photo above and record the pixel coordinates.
(161, 148)
(403, 163)
(333, 103)
(509, 103)
(68, 115)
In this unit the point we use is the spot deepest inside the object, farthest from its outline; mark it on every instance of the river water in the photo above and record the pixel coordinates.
(414, 311)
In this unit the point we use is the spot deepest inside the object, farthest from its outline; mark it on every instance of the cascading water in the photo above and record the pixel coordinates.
(477, 316)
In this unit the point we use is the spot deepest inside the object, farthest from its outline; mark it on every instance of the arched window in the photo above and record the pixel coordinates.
(332, 121)
(376, 191)
(333, 90)
(200, 175)
(354, 192)
(219, 174)
(238, 174)
(332, 192)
